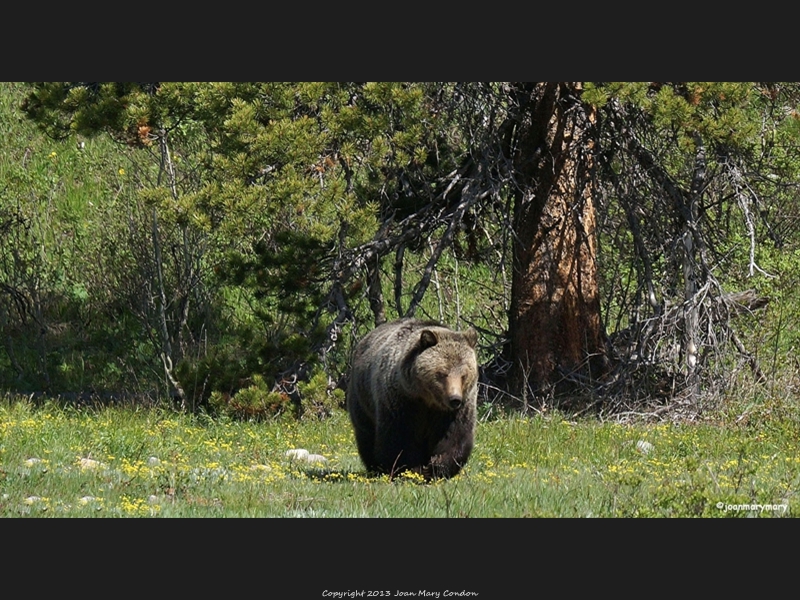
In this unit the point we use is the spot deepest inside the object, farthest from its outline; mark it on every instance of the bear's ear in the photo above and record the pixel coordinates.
(471, 337)
(427, 339)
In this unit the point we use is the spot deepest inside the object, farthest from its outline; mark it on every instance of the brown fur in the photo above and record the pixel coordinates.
(412, 398)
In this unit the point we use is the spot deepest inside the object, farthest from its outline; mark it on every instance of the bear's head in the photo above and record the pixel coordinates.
(445, 370)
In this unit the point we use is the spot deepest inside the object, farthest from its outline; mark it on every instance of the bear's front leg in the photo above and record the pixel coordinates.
(452, 452)
(396, 448)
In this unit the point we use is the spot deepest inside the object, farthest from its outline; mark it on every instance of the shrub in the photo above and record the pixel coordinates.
(318, 398)
(255, 402)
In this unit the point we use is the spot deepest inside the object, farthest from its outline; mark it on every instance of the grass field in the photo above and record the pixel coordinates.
(126, 462)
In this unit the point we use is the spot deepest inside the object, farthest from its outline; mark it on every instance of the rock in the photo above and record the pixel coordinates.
(297, 453)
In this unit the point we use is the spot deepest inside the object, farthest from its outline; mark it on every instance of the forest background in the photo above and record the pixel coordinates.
(207, 254)
(622, 248)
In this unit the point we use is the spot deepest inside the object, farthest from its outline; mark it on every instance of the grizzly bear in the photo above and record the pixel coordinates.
(412, 397)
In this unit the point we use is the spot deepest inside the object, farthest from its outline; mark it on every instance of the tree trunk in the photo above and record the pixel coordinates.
(555, 328)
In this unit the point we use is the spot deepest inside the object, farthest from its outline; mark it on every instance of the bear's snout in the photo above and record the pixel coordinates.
(455, 402)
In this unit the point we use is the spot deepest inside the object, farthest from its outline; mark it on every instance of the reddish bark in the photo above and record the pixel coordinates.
(554, 321)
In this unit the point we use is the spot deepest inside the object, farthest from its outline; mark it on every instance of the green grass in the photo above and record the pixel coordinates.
(125, 462)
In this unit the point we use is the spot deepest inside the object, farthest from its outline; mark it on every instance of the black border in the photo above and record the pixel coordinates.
(499, 559)
(410, 42)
